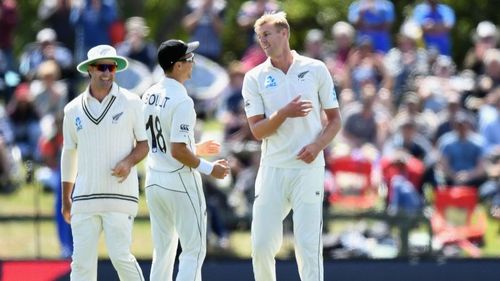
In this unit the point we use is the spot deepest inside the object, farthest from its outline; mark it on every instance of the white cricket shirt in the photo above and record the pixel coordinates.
(170, 117)
(266, 89)
(103, 134)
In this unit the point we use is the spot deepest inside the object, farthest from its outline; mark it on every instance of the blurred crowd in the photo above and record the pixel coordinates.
(418, 118)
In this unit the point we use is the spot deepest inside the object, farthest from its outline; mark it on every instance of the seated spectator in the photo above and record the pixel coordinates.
(461, 152)
(314, 44)
(25, 122)
(8, 22)
(366, 121)
(489, 126)
(486, 37)
(136, 46)
(50, 94)
(408, 139)
(406, 62)
(436, 20)
(446, 118)
(402, 175)
(205, 22)
(343, 38)
(45, 48)
(442, 82)
(491, 78)
(367, 67)
(373, 18)
(411, 108)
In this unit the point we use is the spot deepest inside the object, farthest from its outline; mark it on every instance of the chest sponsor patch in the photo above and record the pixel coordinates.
(184, 127)
(78, 124)
(270, 82)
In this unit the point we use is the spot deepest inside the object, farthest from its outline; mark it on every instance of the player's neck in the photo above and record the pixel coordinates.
(283, 61)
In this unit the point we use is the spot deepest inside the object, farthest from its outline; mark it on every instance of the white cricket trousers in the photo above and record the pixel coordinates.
(177, 212)
(117, 228)
(277, 191)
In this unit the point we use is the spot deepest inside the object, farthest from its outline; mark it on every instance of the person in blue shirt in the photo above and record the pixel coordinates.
(436, 20)
(373, 18)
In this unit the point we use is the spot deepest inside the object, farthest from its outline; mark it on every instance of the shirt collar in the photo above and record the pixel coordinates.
(296, 57)
(113, 92)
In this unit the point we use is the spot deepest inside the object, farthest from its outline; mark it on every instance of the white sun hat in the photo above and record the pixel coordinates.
(102, 52)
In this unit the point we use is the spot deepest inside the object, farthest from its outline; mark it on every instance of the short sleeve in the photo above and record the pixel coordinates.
(251, 97)
(139, 126)
(183, 122)
(69, 133)
(326, 90)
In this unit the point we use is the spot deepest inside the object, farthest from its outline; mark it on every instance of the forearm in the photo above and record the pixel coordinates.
(183, 154)
(331, 129)
(138, 153)
(266, 126)
(67, 190)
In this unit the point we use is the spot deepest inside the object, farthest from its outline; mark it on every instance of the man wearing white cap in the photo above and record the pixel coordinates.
(173, 182)
(104, 137)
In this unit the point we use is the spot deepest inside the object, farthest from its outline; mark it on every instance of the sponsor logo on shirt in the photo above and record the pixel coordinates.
(184, 127)
(116, 117)
(270, 82)
(78, 124)
(302, 75)
(247, 103)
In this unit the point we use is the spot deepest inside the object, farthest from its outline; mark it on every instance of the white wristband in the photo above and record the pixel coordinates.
(205, 167)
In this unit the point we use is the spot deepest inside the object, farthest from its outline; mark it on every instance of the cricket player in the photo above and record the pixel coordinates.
(285, 98)
(174, 190)
(104, 137)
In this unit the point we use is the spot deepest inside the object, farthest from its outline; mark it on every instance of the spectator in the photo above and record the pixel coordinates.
(136, 46)
(406, 62)
(373, 18)
(55, 14)
(490, 128)
(366, 67)
(249, 12)
(366, 120)
(205, 23)
(50, 94)
(343, 37)
(8, 23)
(92, 20)
(486, 37)
(447, 117)
(402, 173)
(314, 44)
(436, 20)
(409, 139)
(25, 122)
(9, 165)
(45, 48)
(461, 154)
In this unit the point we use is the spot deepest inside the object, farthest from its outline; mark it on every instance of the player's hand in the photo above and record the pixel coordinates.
(207, 148)
(66, 210)
(121, 170)
(309, 152)
(297, 108)
(221, 169)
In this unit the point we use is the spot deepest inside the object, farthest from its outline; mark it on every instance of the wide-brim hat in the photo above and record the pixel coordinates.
(102, 52)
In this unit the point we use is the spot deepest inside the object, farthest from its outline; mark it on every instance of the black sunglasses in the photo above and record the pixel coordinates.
(103, 67)
(188, 59)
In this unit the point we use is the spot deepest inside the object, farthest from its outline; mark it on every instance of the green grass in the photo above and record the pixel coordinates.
(19, 239)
